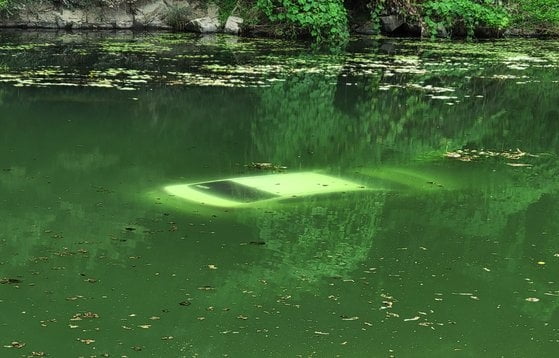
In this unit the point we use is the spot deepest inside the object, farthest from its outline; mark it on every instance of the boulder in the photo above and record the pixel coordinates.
(124, 21)
(488, 32)
(391, 23)
(366, 28)
(442, 31)
(152, 14)
(103, 18)
(74, 18)
(136, 13)
(203, 25)
(413, 29)
(41, 15)
(233, 25)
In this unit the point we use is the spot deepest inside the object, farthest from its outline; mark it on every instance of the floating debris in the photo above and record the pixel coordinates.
(86, 340)
(386, 305)
(468, 155)
(411, 319)
(265, 166)
(320, 333)
(80, 316)
(346, 318)
(15, 344)
(10, 281)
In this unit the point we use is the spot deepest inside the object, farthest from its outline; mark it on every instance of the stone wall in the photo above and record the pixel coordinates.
(151, 14)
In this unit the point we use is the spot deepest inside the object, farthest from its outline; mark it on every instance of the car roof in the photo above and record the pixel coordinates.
(239, 191)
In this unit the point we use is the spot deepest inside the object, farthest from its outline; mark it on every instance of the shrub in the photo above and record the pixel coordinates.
(325, 20)
(470, 13)
(537, 13)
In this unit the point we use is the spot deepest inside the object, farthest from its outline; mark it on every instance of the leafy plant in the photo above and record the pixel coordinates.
(3, 4)
(540, 14)
(376, 10)
(469, 13)
(325, 20)
(226, 8)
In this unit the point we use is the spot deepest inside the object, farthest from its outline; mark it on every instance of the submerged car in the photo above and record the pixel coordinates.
(246, 191)
(257, 190)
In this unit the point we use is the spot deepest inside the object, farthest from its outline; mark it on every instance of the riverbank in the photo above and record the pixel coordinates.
(240, 18)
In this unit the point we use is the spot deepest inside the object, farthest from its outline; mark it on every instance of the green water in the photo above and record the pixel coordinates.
(456, 258)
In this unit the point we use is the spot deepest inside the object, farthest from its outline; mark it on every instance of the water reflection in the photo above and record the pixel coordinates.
(450, 240)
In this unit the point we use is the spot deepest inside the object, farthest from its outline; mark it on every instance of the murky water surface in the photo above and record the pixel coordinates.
(450, 250)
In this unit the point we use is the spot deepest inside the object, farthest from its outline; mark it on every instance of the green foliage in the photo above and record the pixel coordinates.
(539, 13)
(325, 20)
(226, 8)
(3, 4)
(177, 17)
(376, 10)
(468, 13)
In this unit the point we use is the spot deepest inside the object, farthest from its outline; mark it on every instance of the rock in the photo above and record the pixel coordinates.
(513, 32)
(488, 32)
(442, 31)
(136, 13)
(74, 18)
(41, 15)
(413, 29)
(152, 14)
(118, 18)
(366, 29)
(233, 25)
(391, 23)
(203, 9)
(203, 25)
